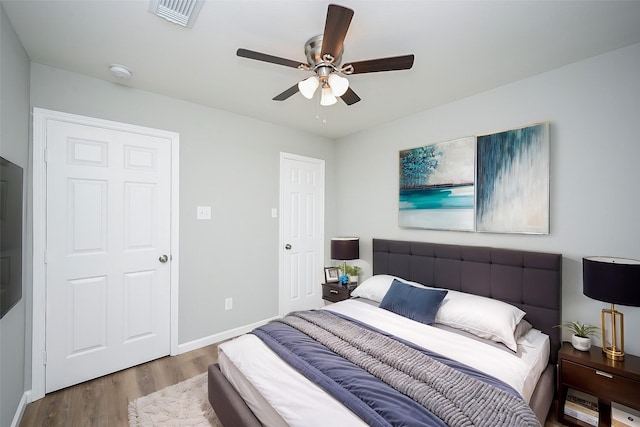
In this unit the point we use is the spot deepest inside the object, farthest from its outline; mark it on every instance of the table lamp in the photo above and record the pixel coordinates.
(617, 281)
(345, 248)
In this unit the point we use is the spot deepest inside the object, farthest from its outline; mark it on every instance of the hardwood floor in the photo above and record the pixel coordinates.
(104, 401)
(552, 420)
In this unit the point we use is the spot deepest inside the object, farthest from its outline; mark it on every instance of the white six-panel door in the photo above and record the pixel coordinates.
(108, 230)
(302, 213)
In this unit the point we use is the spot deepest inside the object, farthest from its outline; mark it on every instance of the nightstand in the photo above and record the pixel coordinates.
(335, 292)
(591, 372)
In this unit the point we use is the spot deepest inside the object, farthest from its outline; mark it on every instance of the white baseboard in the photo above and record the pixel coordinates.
(24, 401)
(219, 337)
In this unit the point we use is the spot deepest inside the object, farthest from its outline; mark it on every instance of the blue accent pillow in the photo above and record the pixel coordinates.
(419, 304)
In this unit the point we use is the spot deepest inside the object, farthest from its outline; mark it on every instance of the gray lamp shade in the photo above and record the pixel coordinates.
(344, 248)
(612, 280)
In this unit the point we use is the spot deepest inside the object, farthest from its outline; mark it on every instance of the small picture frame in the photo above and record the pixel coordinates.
(331, 274)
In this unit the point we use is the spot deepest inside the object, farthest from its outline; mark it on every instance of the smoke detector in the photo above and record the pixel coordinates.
(181, 12)
(120, 71)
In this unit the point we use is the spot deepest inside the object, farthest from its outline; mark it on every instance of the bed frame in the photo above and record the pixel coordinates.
(529, 280)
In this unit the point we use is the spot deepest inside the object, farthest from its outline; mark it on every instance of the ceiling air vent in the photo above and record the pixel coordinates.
(181, 12)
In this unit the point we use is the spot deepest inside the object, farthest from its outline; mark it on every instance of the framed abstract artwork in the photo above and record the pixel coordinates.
(437, 186)
(496, 183)
(512, 181)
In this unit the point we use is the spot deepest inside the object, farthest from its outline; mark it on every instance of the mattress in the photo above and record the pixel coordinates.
(280, 396)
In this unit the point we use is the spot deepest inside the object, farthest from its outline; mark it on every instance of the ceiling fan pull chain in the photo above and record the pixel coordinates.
(319, 112)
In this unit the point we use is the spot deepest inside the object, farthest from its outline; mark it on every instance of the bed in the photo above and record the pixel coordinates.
(530, 282)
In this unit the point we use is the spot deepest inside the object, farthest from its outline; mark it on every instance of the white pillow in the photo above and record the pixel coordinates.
(484, 317)
(376, 287)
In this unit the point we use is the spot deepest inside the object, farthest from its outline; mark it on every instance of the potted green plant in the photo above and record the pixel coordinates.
(353, 271)
(581, 334)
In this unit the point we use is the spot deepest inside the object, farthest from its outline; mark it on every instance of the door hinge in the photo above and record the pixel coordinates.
(44, 357)
(46, 155)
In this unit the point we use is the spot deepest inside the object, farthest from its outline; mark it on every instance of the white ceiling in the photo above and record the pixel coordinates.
(461, 48)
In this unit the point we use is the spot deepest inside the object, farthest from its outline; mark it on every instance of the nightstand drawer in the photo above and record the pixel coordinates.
(601, 383)
(335, 293)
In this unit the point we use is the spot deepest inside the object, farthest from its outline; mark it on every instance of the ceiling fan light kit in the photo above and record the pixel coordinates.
(308, 86)
(324, 55)
(327, 97)
(339, 85)
(334, 85)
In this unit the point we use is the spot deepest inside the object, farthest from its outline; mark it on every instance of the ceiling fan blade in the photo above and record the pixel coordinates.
(287, 93)
(350, 97)
(335, 29)
(383, 64)
(268, 58)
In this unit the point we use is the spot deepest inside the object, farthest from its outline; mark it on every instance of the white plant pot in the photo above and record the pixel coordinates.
(353, 279)
(581, 343)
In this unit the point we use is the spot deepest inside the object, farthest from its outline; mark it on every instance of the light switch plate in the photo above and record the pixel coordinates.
(203, 212)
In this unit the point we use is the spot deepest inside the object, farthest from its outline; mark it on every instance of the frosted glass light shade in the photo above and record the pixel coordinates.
(327, 98)
(339, 84)
(308, 86)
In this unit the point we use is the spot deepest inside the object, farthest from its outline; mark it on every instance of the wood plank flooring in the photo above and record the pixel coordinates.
(103, 402)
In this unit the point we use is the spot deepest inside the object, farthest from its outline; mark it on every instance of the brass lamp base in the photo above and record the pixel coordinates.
(613, 352)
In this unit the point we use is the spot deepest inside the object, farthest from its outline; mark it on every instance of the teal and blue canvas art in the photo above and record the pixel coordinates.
(437, 186)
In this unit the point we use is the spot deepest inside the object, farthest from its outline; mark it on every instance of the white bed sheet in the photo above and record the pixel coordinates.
(277, 394)
(280, 396)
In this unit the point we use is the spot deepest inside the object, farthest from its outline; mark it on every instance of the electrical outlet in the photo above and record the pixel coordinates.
(228, 303)
(274, 213)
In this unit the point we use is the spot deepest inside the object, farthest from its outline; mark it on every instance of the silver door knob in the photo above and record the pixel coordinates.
(163, 258)
(287, 246)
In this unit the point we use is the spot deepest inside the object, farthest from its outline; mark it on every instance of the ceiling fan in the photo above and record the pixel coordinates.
(324, 55)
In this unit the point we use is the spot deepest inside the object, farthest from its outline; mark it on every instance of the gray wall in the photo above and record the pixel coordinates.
(231, 163)
(14, 146)
(228, 162)
(594, 109)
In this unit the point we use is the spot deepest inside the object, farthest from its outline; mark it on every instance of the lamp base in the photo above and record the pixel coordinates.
(613, 353)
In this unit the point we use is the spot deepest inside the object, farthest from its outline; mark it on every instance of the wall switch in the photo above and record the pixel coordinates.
(228, 303)
(203, 212)
(274, 213)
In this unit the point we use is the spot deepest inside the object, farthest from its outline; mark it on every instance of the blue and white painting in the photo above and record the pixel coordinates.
(512, 181)
(437, 186)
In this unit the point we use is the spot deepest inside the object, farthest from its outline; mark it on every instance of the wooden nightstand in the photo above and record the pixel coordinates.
(335, 292)
(591, 372)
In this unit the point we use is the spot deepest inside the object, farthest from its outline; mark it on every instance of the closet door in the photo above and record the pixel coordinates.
(302, 232)
(108, 269)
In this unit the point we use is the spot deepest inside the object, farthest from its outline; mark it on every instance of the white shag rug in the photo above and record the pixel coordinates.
(180, 405)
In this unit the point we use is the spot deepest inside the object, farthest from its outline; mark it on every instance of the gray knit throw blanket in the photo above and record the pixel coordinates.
(455, 397)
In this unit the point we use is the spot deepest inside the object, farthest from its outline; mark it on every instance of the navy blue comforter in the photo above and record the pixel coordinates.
(376, 402)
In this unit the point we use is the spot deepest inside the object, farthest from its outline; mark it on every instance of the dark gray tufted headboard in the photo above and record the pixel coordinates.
(531, 281)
